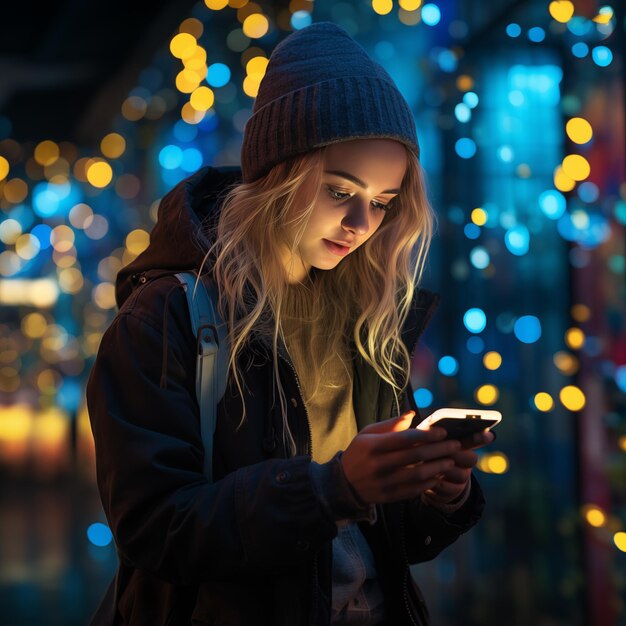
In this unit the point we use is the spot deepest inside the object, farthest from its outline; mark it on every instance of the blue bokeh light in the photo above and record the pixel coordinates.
(447, 61)
(462, 112)
(42, 232)
(527, 328)
(448, 365)
(45, 201)
(602, 56)
(505, 154)
(171, 157)
(588, 192)
(471, 99)
(517, 240)
(552, 203)
(620, 211)
(423, 397)
(536, 34)
(192, 160)
(580, 49)
(301, 19)
(431, 15)
(475, 320)
(185, 132)
(471, 231)
(99, 534)
(69, 394)
(465, 147)
(479, 257)
(579, 25)
(513, 30)
(475, 344)
(218, 74)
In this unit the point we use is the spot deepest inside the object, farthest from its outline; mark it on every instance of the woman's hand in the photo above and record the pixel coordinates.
(389, 461)
(453, 482)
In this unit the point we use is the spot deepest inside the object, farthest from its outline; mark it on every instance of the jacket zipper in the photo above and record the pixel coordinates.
(309, 451)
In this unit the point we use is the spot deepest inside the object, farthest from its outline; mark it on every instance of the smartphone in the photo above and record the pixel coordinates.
(460, 423)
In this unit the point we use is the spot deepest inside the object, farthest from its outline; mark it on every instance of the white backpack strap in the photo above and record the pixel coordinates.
(212, 357)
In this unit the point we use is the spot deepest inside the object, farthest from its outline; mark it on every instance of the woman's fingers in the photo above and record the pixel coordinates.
(418, 454)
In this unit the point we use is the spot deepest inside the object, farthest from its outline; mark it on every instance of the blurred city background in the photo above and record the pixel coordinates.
(519, 106)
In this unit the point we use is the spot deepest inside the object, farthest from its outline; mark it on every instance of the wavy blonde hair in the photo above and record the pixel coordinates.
(366, 297)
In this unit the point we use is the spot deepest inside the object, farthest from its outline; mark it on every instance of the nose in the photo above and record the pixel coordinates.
(357, 219)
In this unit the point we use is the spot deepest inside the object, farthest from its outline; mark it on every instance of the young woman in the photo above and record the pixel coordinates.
(323, 494)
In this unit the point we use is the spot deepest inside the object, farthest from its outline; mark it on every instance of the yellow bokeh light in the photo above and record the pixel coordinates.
(187, 81)
(581, 312)
(190, 115)
(594, 515)
(410, 5)
(48, 381)
(15, 190)
(579, 130)
(576, 167)
(70, 280)
(251, 85)
(572, 398)
(51, 427)
(255, 26)
(497, 463)
(620, 540)
(479, 216)
(197, 61)
(46, 152)
(10, 230)
(562, 181)
(567, 363)
(62, 238)
(574, 338)
(621, 442)
(605, 15)
(183, 45)
(27, 246)
(543, 401)
(4, 168)
(104, 295)
(137, 241)
(464, 82)
(16, 423)
(113, 145)
(202, 99)
(216, 5)
(561, 10)
(34, 325)
(99, 174)
(257, 65)
(382, 7)
(492, 360)
(487, 394)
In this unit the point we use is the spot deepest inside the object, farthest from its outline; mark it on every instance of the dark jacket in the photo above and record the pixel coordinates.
(254, 547)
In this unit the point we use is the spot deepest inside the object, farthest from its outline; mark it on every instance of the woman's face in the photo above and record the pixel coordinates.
(361, 177)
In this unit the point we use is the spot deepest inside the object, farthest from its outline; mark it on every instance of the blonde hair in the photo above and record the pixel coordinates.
(366, 297)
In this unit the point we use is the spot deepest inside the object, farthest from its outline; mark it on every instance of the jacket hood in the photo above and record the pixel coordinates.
(176, 241)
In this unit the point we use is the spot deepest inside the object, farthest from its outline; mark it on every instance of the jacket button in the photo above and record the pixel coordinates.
(294, 403)
(302, 544)
(427, 540)
(282, 477)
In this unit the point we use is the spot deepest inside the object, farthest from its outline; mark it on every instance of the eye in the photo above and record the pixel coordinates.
(340, 195)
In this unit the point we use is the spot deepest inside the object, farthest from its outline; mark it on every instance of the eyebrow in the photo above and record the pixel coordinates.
(356, 180)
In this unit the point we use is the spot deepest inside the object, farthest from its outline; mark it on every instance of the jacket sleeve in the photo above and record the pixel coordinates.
(428, 530)
(165, 516)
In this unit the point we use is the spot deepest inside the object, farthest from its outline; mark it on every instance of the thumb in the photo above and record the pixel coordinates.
(395, 424)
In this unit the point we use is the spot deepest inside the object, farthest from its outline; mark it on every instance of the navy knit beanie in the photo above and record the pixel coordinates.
(321, 87)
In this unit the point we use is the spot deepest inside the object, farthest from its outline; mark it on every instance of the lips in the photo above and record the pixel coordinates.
(336, 248)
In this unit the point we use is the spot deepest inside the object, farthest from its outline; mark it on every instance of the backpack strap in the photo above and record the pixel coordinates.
(212, 350)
